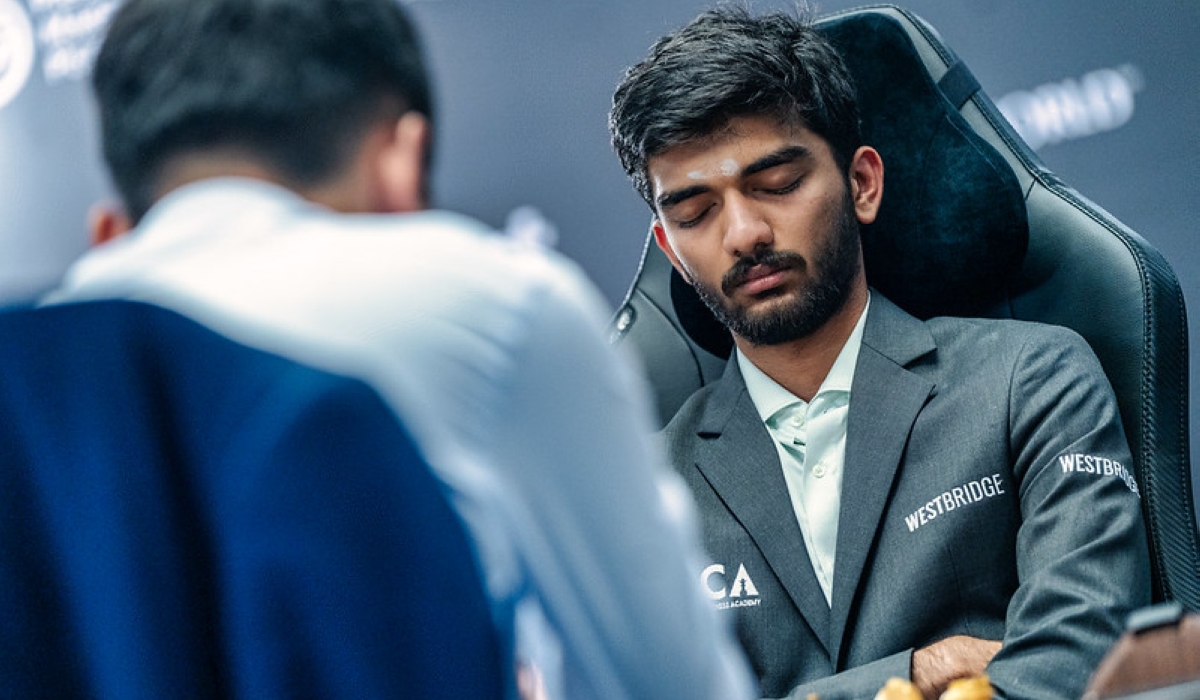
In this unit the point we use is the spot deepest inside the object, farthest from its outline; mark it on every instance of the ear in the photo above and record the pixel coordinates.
(107, 221)
(664, 244)
(401, 165)
(866, 183)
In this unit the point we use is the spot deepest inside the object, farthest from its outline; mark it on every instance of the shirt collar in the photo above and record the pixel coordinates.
(195, 214)
(769, 397)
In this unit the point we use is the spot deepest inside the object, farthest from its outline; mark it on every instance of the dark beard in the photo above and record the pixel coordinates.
(831, 279)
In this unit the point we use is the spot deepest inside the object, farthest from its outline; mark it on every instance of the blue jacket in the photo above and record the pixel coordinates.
(183, 516)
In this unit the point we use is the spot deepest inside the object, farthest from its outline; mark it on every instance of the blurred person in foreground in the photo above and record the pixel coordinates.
(884, 496)
(273, 161)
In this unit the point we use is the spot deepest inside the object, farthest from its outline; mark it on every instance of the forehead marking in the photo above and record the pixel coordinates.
(726, 168)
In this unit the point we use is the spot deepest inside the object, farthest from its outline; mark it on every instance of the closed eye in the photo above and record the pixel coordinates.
(695, 220)
(786, 189)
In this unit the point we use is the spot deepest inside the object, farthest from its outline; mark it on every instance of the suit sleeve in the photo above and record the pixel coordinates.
(614, 538)
(1082, 561)
(856, 683)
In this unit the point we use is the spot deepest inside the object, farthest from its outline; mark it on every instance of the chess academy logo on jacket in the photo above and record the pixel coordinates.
(741, 593)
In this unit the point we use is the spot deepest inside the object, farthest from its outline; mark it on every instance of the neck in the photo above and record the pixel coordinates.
(354, 187)
(186, 170)
(801, 365)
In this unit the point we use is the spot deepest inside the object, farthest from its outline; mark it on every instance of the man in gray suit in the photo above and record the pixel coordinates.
(881, 496)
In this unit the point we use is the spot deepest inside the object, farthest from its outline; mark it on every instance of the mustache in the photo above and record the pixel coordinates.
(773, 259)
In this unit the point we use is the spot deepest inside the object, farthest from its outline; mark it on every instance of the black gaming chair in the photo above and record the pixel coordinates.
(973, 224)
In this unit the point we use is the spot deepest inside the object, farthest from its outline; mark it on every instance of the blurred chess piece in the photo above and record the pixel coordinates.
(975, 688)
(899, 689)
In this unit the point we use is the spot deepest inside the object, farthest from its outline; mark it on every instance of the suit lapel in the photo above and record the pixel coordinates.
(885, 399)
(743, 468)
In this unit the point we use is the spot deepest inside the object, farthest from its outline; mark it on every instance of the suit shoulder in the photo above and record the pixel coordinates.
(688, 415)
(999, 335)
(683, 427)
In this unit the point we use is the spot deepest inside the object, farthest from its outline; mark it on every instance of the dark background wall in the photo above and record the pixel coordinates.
(1106, 90)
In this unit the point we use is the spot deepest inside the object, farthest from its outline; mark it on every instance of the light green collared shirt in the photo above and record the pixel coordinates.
(811, 441)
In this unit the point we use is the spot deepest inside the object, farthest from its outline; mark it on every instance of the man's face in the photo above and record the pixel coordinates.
(760, 219)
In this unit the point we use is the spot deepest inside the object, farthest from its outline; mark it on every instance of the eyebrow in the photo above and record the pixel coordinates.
(669, 199)
(788, 154)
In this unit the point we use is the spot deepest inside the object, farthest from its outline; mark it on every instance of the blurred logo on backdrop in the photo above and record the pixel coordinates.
(66, 33)
(1100, 101)
(16, 50)
(69, 33)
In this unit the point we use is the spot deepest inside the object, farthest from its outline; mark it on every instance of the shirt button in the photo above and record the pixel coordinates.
(798, 421)
(819, 470)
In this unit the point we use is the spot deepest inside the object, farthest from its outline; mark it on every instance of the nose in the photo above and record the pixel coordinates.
(745, 228)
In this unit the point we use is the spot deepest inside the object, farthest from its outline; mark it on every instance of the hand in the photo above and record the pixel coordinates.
(960, 656)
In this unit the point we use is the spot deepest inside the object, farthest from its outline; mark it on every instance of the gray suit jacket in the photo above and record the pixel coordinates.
(987, 491)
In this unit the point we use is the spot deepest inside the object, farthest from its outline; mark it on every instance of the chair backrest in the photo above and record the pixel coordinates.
(974, 224)
(181, 515)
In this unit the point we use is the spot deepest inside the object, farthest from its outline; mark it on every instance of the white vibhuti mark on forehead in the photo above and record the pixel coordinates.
(725, 168)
